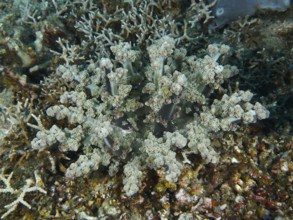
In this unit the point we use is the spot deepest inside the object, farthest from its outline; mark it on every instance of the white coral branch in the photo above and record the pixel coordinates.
(21, 193)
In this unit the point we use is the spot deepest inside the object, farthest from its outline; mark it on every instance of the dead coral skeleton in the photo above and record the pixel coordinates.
(201, 10)
(20, 193)
(13, 118)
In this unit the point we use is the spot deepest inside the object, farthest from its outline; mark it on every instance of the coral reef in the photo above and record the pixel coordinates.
(135, 110)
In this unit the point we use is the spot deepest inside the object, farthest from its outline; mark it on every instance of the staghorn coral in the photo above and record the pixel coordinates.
(21, 192)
